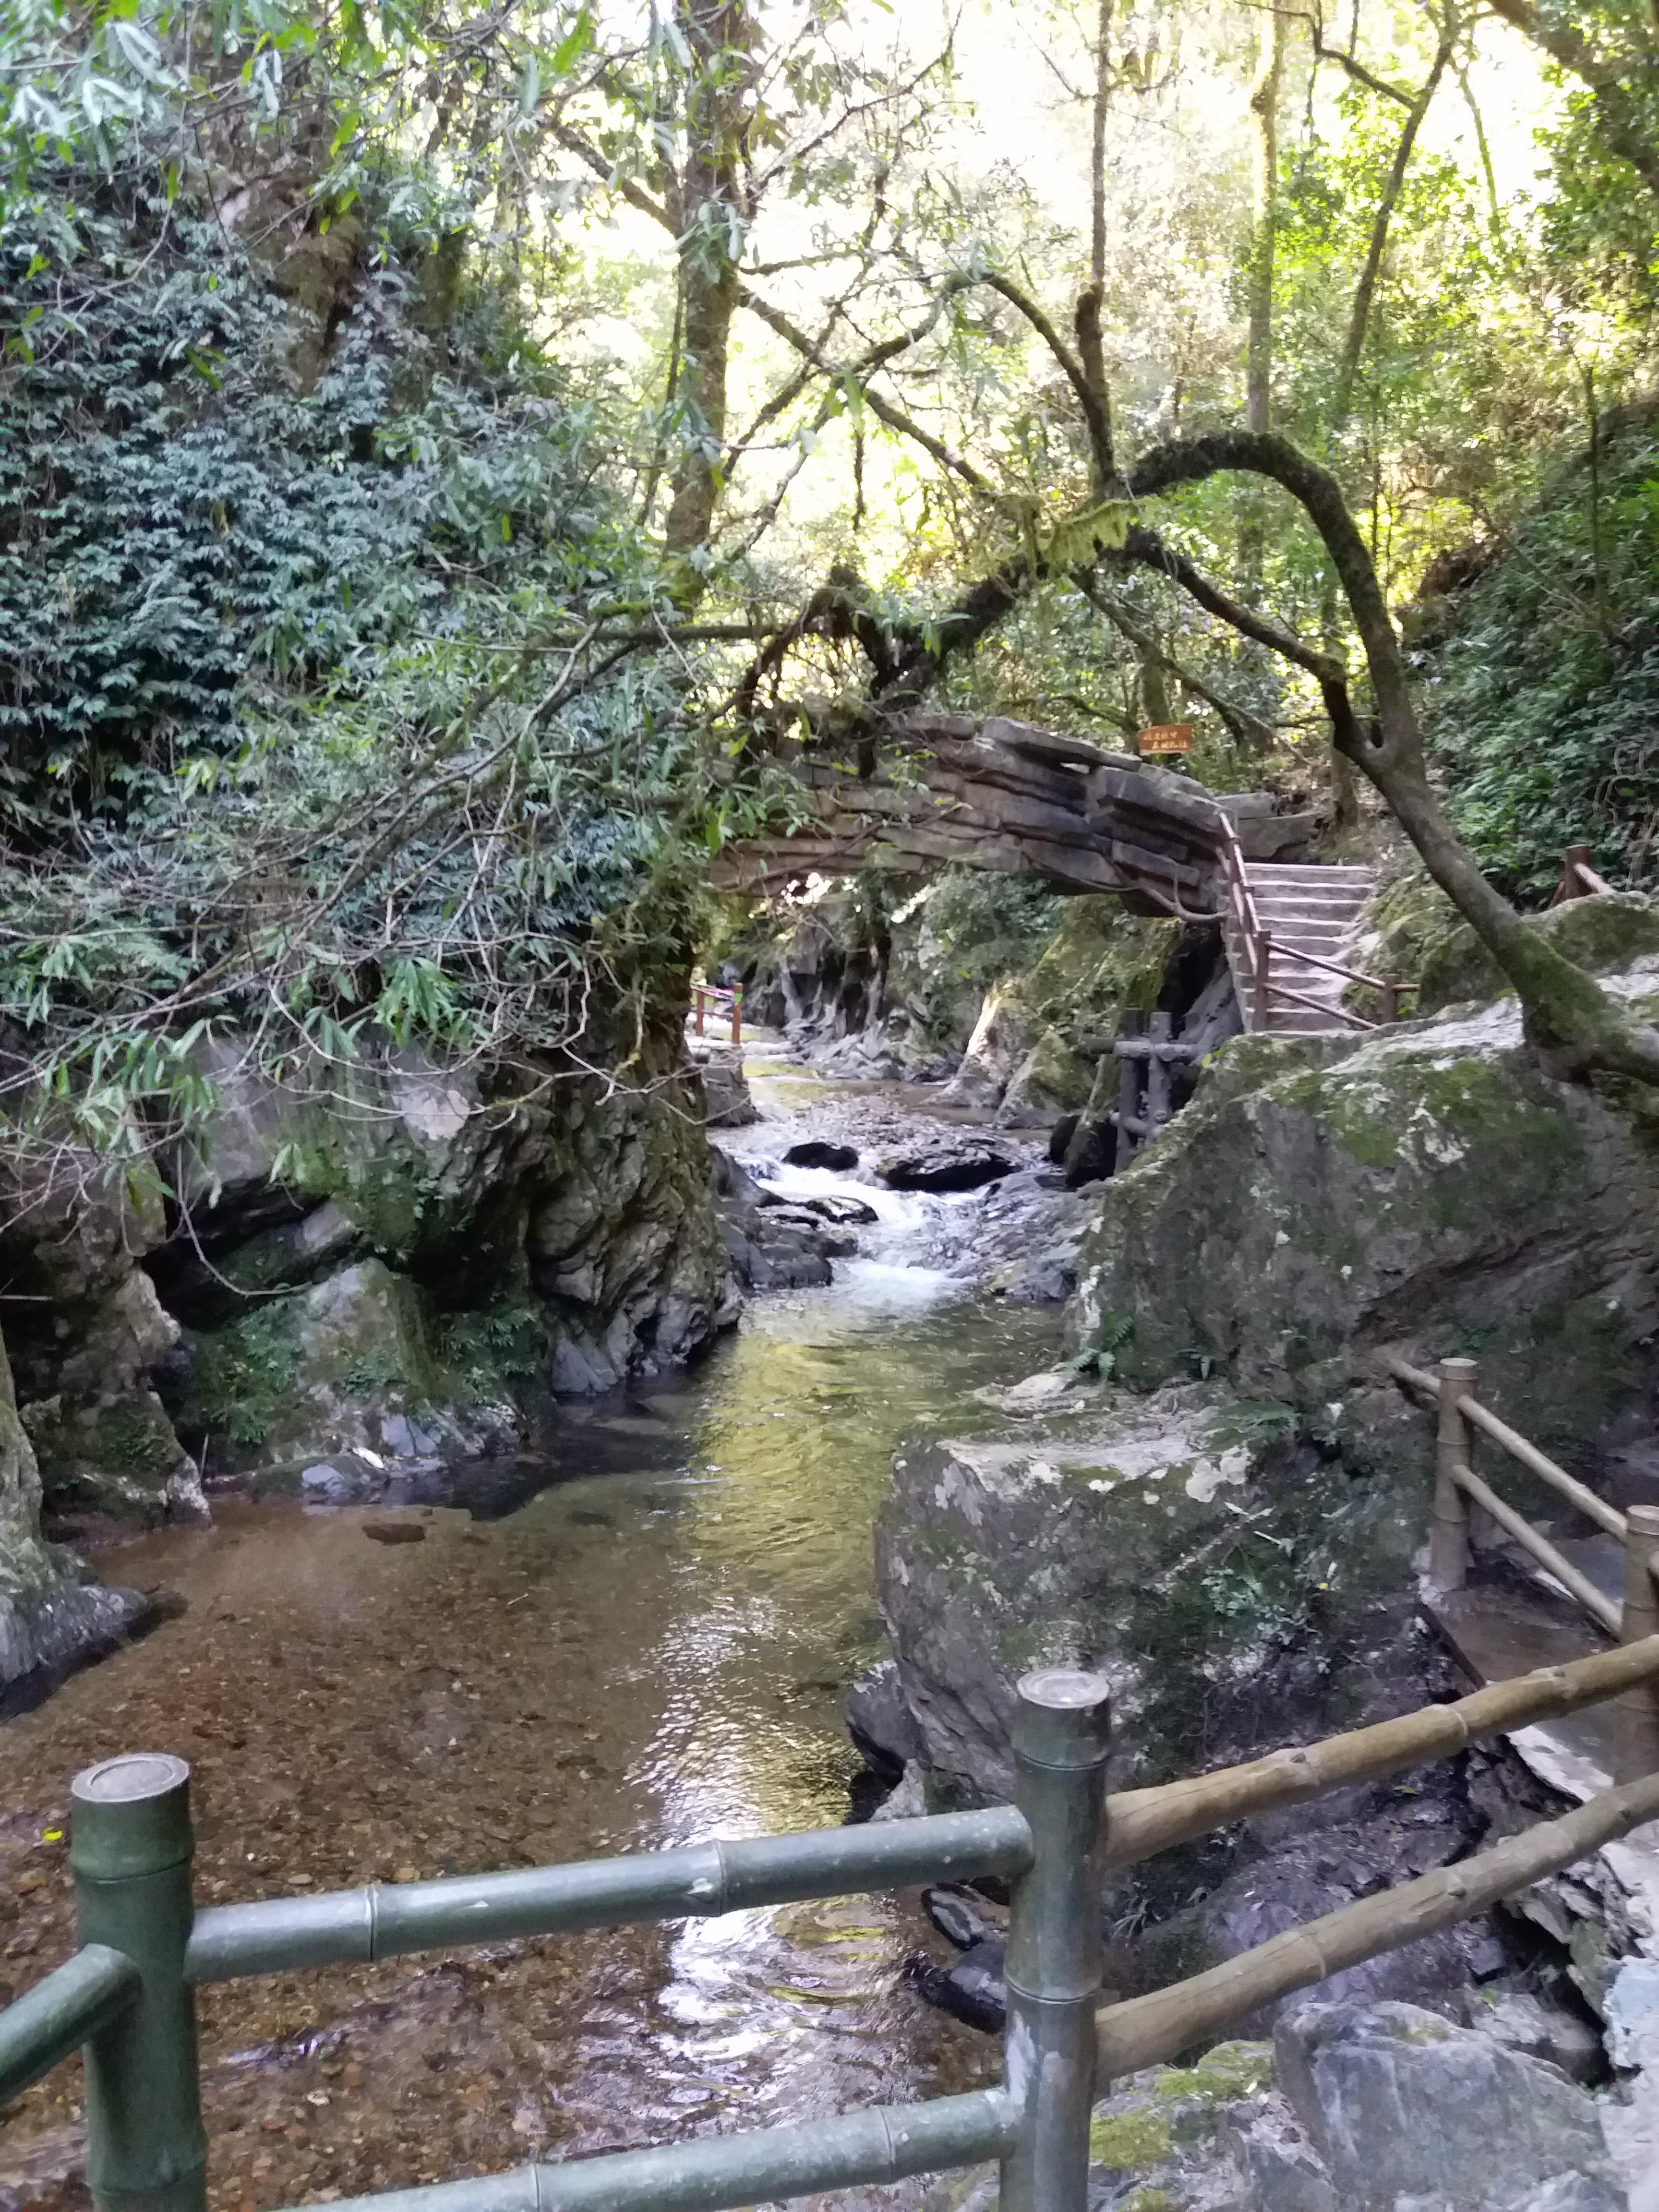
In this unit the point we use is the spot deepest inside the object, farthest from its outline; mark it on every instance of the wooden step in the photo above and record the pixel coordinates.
(1278, 871)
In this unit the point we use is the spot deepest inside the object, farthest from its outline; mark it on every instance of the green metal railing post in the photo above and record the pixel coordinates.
(130, 1849)
(1062, 1732)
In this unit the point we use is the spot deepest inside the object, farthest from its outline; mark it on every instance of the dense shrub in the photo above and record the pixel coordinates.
(1543, 701)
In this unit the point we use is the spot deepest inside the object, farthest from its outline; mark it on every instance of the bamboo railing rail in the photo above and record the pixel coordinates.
(723, 1001)
(1517, 1526)
(1282, 991)
(1348, 975)
(1457, 1486)
(1151, 2030)
(1595, 1509)
(1140, 1823)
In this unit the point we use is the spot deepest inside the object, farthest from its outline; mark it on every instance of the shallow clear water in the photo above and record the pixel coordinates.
(643, 1636)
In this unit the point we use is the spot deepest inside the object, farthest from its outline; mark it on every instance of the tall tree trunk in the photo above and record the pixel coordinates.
(1365, 290)
(1264, 234)
(709, 212)
(1343, 792)
(1090, 348)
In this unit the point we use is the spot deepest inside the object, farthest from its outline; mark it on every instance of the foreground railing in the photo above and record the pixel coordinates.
(126, 1999)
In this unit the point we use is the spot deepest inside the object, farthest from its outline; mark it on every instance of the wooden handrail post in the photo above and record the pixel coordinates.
(1390, 1000)
(1062, 1738)
(1264, 953)
(736, 1014)
(130, 1848)
(1638, 1708)
(1157, 1074)
(699, 999)
(1128, 1093)
(1448, 1527)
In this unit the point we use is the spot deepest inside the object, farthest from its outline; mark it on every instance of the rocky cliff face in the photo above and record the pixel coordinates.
(1009, 992)
(394, 1259)
(48, 1618)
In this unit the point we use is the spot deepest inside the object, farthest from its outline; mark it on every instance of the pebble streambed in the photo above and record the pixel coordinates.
(638, 1637)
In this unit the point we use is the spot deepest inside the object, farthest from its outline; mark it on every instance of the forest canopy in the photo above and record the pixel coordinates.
(446, 447)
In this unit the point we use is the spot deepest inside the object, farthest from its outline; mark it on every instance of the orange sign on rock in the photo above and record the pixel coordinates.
(1167, 738)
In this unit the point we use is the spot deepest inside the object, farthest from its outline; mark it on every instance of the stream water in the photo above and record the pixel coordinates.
(639, 1638)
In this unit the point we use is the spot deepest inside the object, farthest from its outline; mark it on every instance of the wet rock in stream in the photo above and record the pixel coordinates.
(880, 1722)
(819, 1153)
(971, 1990)
(944, 1167)
(769, 1251)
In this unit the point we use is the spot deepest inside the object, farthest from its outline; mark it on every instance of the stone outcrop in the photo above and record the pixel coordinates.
(392, 1256)
(1430, 1187)
(728, 1104)
(49, 1619)
(1349, 2109)
(1187, 1540)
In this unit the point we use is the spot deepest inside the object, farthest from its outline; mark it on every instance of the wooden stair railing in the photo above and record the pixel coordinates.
(1259, 992)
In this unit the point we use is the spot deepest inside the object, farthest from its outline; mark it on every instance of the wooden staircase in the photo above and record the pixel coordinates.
(1301, 919)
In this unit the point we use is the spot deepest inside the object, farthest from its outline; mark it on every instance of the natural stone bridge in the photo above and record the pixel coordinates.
(1003, 795)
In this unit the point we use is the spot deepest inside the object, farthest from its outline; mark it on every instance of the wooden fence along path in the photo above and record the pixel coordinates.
(126, 1997)
(710, 998)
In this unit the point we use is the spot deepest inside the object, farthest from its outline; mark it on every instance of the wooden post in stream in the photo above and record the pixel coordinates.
(1128, 1094)
(736, 1014)
(1157, 1077)
(1448, 1527)
(1638, 1708)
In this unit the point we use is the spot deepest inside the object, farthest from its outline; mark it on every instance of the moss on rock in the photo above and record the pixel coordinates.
(1599, 935)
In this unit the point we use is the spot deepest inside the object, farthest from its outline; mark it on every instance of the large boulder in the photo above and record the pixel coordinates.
(472, 1239)
(946, 1165)
(1399, 2103)
(1431, 1189)
(1385, 2109)
(1604, 935)
(728, 1104)
(1051, 1080)
(1183, 1541)
(49, 1619)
